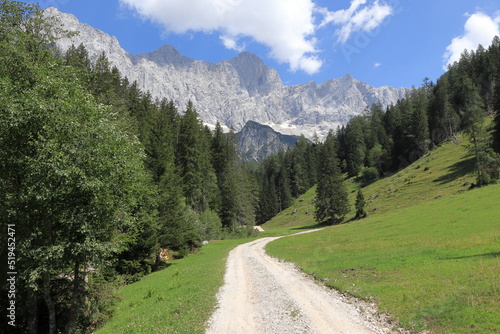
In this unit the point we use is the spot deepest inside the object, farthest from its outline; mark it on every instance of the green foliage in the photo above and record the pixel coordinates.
(285, 176)
(369, 175)
(360, 205)
(331, 196)
(210, 225)
(193, 160)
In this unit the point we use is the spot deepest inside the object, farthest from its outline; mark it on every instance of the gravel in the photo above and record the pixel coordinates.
(264, 295)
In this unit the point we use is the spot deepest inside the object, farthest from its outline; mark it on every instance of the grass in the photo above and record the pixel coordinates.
(178, 299)
(447, 170)
(299, 216)
(428, 257)
(429, 254)
(434, 266)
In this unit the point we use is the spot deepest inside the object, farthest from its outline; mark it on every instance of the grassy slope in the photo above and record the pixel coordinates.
(178, 299)
(433, 262)
(446, 171)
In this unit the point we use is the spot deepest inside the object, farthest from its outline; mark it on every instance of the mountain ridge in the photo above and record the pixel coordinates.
(236, 90)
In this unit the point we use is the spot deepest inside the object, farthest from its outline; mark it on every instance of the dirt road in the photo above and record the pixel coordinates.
(264, 295)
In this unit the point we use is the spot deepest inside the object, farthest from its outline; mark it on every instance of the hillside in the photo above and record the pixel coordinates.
(445, 171)
(428, 253)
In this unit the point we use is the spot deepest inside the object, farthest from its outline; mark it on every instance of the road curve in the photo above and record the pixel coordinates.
(264, 295)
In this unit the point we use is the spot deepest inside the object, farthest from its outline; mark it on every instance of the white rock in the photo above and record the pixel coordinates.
(237, 90)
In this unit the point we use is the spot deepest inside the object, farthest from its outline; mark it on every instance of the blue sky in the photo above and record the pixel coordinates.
(381, 42)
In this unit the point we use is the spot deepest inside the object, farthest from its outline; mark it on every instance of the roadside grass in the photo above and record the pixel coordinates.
(178, 299)
(433, 266)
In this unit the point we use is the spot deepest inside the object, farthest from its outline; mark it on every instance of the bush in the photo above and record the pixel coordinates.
(369, 175)
(210, 225)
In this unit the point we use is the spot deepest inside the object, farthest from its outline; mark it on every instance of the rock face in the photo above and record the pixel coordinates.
(257, 141)
(234, 91)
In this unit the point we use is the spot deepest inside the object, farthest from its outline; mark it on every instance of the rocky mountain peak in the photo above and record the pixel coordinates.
(255, 76)
(237, 90)
(165, 55)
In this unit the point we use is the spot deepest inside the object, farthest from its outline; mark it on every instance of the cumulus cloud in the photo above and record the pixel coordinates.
(479, 29)
(287, 27)
(358, 17)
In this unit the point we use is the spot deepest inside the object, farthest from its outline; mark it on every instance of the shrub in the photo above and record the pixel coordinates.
(369, 175)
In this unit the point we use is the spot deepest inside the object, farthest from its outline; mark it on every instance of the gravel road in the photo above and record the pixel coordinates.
(264, 295)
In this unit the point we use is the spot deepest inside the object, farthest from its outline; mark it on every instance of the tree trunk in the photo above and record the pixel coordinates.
(32, 311)
(49, 302)
(74, 310)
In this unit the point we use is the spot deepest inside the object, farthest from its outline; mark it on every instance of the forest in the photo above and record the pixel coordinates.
(96, 176)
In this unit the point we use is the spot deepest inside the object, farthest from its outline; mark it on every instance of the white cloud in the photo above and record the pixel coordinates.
(377, 65)
(231, 43)
(357, 18)
(287, 27)
(479, 29)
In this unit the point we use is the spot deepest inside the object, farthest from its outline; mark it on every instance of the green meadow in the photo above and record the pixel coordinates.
(178, 299)
(428, 253)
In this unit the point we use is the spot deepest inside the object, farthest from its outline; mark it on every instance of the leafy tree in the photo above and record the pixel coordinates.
(210, 225)
(331, 196)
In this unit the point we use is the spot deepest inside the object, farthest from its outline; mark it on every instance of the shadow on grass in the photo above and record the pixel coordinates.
(486, 255)
(457, 170)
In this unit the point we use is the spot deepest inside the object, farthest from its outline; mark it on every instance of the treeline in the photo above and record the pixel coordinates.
(204, 191)
(380, 141)
(285, 176)
(95, 177)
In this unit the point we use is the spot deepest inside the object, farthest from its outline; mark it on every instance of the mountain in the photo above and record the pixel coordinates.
(234, 91)
(257, 141)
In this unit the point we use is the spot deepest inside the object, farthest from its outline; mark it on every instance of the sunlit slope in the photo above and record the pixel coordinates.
(434, 264)
(447, 170)
(428, 253)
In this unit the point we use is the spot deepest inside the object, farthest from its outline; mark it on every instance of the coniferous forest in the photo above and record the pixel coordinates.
(96, 175)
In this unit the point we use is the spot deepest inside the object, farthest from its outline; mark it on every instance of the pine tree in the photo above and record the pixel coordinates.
(419, 125)
(360, 205)
(299, 180)
(193, 161)
(224, 162)
(473, 123)
(331, 196)
(355, 145)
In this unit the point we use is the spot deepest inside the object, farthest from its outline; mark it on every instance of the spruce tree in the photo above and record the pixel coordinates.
(355, 146)
(360, 205)
(473, 123)
(332, 203)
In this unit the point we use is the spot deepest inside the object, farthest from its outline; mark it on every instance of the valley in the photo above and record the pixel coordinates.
(426, 259)
(157, 193)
